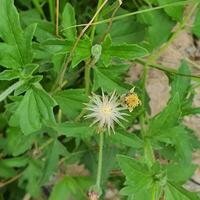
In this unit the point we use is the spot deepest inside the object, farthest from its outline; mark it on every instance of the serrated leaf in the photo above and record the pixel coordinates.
(71, 101)
(41, 106)
(172, 136)
(68, 20)
(138, 178)
(175, 192)
(52, 161)
(17, 40)
(167, 118)
(31, 176)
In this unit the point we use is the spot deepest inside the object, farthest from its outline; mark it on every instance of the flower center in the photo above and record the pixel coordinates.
(132, 100)
(106, 110)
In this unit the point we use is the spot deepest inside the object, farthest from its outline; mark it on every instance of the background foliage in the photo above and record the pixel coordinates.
(51, 58)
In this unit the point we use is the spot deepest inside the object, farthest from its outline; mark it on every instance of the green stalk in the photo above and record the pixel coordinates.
(52, 10)
(100, 161)
(96, 19)
(37, 5)
(87, 79)
(88, 63)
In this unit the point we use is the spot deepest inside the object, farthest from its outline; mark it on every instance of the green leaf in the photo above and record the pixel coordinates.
(103, 78)
(156, 34)
(125, 51)
(41, 106)
(176, 172)
(31, 177)
(176, 12)
(69, 187)
(16, 161)
(52, 161)
(74, 129)
(68, 20)
(183, 147)
(131, 33)
(196, 25)
(82, 52)
(130, 140)
(16, 142)
(9, 75)
(17, 40)
(138, 179)
(175, 192)
(181, 84)
(6, 171)
(71, 101)
(167, 118)
(44, 30)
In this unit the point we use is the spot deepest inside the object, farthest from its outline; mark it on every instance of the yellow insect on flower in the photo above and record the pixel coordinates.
(131, 100)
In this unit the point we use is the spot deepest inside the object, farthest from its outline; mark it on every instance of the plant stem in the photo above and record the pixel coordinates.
(59, 81)
(57, 17)
(132, 13)
(154, 193)
(87, 77)
(51, 10)
(95, 20)
(100, 159)
(88, 63)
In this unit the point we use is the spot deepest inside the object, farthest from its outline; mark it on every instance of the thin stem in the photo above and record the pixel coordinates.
(87, 78)
(131, 14)
(111, 21)
(52, 10)
(3, 184)
(154, 193)
(38, 6)
(167, 69)
(100, 161)
(61, 75)
(88, 63)
(95, 20)
(57, 17)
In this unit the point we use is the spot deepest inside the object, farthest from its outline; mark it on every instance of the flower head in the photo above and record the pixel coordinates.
(105, 110)
(131, 100)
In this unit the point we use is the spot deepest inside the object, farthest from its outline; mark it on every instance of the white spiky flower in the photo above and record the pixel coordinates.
(105, 110)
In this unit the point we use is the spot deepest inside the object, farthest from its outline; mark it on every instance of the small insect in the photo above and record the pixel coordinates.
(131, 100)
